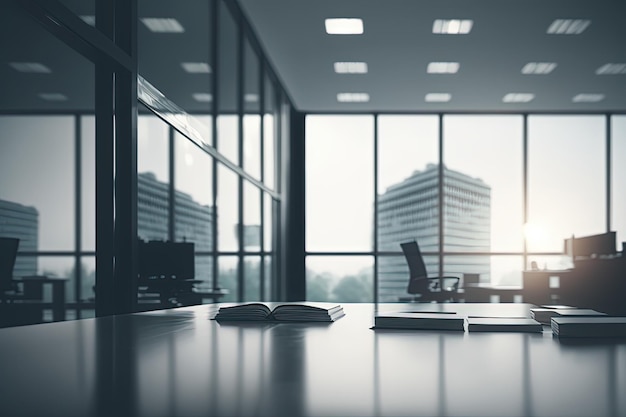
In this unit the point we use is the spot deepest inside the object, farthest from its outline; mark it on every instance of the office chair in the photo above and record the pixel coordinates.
(423, 287)
(8, 254)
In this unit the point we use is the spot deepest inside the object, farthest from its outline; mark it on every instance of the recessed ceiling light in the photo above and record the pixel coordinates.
(611, 69)
(203, 97)
(251, 98)
(162, 25)
(539, 68)
(89, 19)
(568, 26)
(518, 97)
(438, 97)
(453, 26)
(53, 96)
(353, 97)
(443, 67)
(587, 98)
(30, 67)
(344, 26)
(196, 67)
(350, 67)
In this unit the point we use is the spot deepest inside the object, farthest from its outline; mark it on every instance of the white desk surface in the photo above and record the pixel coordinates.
(179, 363)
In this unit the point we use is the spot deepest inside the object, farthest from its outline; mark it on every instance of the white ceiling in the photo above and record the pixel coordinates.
(398, 44)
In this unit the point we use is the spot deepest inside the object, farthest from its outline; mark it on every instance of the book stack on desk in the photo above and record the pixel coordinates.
(419, 321)
(503, 324)
(589, 326)
(303, 312)
(543, 315)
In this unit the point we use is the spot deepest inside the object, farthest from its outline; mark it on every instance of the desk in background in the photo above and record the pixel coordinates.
(178, 362)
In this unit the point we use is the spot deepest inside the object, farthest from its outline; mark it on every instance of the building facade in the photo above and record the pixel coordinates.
(409, 210)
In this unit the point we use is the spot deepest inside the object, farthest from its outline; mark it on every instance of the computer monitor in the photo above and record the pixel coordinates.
(590, 246)
(172, 260)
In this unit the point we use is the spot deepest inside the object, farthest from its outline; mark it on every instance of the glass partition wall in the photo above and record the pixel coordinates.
(486, 194)
(207, 145)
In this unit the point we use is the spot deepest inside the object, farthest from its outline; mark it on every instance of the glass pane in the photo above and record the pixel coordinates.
(37, 209)
(483, 206)
(252, 278)
(193, 178)
(178, 63)
(85, 9)
(268, 279)
(337, 220)
(269, 139)
(152, 178)
(227, 270)
(408, 148)
(88, 182)
(58, 267)
(268, 224)
(618, 179)
(566, 179)
(227, 209)
(204, 272)
(251, 218)
(393, 276)
(87, 281)
(252, 113)
(340, 278)
(227, 121)
(497, 269)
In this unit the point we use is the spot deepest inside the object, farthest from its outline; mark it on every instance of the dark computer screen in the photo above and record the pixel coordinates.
(166, 259)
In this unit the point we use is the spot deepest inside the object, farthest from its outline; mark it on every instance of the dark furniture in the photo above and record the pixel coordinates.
(177, 362)
(8, 255)
(167, 276)
(423, 287)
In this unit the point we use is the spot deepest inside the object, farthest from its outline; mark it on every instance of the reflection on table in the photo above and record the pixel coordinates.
(178, 362)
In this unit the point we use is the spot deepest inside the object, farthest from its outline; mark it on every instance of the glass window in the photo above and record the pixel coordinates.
(268, 278)
(252, 274)
(37, 181)
(227, 209)
(566, 179)
(618, 178)
(268, 223)
(393, 276)
(227, 275)
(251, 218)
(269, 134)
(407, 181)
(152, 178)
(88, 182)
(193, 178)
(339, 183)
(340, 278)
(483, 207)
(252, 113)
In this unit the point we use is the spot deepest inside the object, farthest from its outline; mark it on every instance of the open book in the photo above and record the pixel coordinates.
(302, 311)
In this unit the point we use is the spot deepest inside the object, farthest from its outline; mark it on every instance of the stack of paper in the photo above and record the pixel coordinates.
(419, 321)
(503, 324)
(589, 326)
(543, 315)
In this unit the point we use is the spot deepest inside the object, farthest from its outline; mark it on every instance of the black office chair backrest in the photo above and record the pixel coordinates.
(8, 254)
(417, 267)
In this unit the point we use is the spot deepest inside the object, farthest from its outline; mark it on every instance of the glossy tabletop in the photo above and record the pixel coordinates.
(179, 363)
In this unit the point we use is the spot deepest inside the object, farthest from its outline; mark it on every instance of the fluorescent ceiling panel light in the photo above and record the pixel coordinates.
(251, 98)
(344, 26)
(350, 67)
(438, 97)
(196, 67)
(453, 26)
(30, 67)
(518, 97)
(588, 98)
(53, 96)
(568, 26)
(611, 69)
(541, 68)
(203, 97)
(353, 97)
(443, 67)
(89, 19)
(163, 25)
